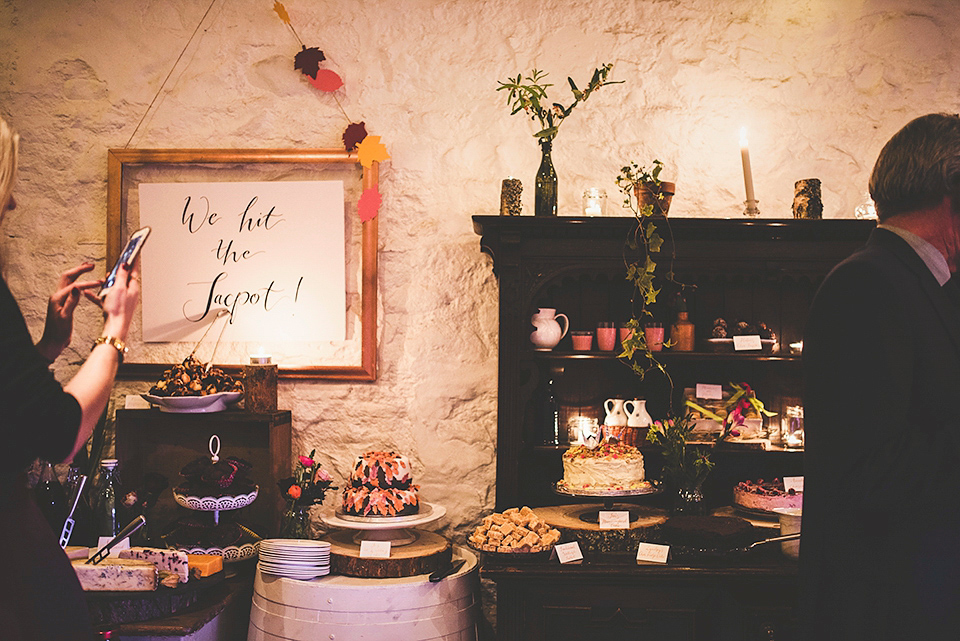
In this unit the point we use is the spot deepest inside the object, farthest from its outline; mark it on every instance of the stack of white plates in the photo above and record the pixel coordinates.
(295, 558)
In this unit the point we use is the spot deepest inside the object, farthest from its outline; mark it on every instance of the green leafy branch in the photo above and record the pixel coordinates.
(529, 95)
(645, 239)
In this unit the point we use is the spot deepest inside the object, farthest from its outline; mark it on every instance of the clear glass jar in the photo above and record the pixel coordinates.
(594, 202)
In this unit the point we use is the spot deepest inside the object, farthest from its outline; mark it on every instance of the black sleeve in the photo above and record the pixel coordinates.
(37, 418)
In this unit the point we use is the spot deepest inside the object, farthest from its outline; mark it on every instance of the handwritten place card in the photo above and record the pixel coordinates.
(374, 549)
(652, 553)
(614, 520)
(567, 552)
(747, 343)
(794, 483)
(712, 392)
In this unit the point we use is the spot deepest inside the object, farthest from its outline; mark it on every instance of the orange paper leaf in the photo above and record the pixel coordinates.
(282, 12)
(369, 204)
(371, 150)
(326, 80)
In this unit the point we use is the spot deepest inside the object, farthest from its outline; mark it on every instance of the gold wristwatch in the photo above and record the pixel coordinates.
(113, 342)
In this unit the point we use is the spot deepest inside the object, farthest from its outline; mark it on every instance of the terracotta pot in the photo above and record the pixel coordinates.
(649, 194)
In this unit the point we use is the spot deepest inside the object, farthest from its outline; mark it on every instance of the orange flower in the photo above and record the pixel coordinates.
(294, 492)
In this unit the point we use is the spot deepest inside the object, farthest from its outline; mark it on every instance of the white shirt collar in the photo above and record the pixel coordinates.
(929, 254)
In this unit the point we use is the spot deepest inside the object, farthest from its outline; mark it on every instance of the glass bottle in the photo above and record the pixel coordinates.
(84, 532)
(106, 512)
(550, 417)
(545, 194)
(50, 497)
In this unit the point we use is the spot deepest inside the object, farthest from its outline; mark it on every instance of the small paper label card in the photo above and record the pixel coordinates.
(652, 553)
(610, 520)
(749, 342)
(567, 552)
(374, 549)
(710, 392)
(794, 483)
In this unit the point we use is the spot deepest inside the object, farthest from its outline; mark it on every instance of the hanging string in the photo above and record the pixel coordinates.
(164, 83)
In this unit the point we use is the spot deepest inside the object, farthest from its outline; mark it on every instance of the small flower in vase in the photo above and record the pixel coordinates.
(307, 487)
(685, 467)
(743, 404)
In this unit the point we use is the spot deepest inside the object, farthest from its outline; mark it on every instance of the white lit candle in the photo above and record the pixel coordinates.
(745, 158)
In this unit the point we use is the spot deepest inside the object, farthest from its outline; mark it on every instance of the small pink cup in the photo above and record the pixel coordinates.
(582, 341)
(625, 333)
(653, 334)
(606, 336)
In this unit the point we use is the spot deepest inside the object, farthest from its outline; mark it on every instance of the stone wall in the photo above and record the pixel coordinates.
(821, 85)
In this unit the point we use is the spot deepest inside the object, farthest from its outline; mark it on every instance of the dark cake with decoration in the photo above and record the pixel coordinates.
(381, 485)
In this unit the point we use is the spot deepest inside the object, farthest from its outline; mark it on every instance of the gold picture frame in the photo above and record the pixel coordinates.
(122, 166)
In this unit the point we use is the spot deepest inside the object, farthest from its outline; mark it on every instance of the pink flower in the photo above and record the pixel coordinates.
(306, 462)
(321, 475)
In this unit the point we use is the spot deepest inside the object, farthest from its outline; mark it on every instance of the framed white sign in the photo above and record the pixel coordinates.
(272, 236)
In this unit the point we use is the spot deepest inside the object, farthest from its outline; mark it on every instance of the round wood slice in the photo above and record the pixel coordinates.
(425, 555)
(591, 538)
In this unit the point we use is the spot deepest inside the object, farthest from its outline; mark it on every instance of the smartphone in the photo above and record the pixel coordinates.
(129, 255)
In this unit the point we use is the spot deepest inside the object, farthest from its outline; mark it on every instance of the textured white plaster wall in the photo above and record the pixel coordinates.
(821, 84)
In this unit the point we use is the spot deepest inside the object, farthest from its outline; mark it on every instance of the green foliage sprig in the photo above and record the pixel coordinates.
(530, 96)
(685, 466)
(644, 239)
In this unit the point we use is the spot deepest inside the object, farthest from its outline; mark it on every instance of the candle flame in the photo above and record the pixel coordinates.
(743, 136)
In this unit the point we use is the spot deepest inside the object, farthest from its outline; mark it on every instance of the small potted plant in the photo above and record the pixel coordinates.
(646, 187)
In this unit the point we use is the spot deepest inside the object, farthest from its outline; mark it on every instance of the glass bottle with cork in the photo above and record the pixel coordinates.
(682, 330)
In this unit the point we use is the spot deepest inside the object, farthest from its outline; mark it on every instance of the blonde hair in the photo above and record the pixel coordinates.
(9, 147)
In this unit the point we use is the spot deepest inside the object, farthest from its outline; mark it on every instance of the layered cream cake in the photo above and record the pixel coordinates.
(381, 484)
(611, 466)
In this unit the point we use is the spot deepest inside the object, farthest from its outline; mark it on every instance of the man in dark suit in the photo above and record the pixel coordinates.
(880, 551)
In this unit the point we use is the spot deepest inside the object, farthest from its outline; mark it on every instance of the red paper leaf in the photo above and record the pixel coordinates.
(308, 61)
(354, 134)
(326, 80)
(369, 204)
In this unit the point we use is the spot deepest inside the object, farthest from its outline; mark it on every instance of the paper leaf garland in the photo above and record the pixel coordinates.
(282, 12)
(325, 80)
(354, 134)
(308, 61)
(371, 150)
(369, 204)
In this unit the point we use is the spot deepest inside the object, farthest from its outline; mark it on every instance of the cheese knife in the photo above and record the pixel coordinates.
(104, 552)
(69, 522)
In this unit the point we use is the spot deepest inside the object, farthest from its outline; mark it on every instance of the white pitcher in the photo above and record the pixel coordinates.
(548, 332)
(637, 415)
(615, 414)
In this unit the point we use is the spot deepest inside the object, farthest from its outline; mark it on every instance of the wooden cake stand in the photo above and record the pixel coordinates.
(591, 513)
(411, 551)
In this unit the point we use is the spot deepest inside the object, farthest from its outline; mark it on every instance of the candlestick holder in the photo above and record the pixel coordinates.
(751, 210)
(260, 385)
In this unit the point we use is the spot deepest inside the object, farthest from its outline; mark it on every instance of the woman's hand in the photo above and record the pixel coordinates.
(58, 328)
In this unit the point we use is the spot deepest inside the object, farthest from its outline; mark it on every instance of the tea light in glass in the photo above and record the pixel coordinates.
(594, 202)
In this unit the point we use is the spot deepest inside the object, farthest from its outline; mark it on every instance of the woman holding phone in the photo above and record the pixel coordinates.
(40, 596)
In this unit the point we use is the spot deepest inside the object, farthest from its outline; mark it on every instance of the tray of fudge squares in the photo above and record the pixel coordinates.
(516, 531)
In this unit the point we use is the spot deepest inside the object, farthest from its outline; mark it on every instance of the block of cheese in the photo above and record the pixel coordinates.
(166, 560)
(77, 552)
(117, 575)
(202, 565)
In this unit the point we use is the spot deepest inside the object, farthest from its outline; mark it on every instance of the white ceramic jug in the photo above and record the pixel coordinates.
(637, 415)
(615, 414)
(548, 332)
